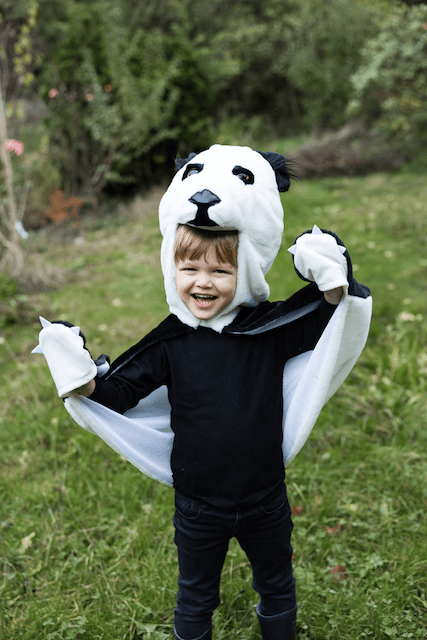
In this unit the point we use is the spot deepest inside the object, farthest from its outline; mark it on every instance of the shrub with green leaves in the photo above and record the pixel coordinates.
(390, 86)
(116, 91)
(321, 54)
(290, 62)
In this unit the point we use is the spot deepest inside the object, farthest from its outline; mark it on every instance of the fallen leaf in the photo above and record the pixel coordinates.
(27, 542)
(339, 572)
(332, 530)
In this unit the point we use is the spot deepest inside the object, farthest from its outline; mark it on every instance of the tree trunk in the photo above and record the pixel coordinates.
(12, 259)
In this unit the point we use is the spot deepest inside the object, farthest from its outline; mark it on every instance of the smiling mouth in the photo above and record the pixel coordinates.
(203, 299)
(198, 296)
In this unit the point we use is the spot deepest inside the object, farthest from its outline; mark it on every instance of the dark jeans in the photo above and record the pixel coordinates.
(202, 535)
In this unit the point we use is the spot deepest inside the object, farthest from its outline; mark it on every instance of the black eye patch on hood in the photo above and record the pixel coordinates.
(281, 166)
(192, 169)
(245, 175)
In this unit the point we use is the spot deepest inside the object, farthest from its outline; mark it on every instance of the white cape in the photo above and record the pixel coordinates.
(143, 435)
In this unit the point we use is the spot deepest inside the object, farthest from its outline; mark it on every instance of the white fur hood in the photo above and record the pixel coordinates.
(226, 187)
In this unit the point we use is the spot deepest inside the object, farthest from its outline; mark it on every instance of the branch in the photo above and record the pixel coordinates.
(11, 214)
(24, 197)
(6, 243)
(4, 216)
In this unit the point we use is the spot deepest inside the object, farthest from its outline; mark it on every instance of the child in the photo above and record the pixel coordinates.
(222, 355)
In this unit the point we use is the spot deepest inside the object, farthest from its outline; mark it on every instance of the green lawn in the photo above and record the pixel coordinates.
(86, 540)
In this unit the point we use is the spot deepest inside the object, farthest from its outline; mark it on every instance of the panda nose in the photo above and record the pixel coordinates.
(204, 199)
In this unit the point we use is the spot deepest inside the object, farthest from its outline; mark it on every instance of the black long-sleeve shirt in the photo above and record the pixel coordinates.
(225, 392)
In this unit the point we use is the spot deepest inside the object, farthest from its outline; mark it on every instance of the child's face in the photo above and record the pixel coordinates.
(205, 285)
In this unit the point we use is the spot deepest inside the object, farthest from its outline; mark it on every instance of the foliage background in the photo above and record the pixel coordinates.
(390, 87)
(126, 86)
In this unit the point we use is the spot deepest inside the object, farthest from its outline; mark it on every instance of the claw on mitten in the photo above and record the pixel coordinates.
(316, 231)
(45, 323)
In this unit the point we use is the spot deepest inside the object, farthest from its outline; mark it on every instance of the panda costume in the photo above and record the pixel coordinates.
(217, 408)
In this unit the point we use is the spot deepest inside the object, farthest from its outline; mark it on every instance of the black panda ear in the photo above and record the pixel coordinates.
(179, 162)
(281, 168)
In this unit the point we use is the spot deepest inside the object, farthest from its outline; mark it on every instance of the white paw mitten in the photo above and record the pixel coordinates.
(319, 258)
(70, 364)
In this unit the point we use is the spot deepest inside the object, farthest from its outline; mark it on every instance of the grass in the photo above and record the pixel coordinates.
(87, 541)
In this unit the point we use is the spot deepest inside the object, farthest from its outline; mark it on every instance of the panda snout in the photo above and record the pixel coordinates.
(205, 197)
(203, 200)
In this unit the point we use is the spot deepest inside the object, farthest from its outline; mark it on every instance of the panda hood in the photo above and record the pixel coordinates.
(224, 188)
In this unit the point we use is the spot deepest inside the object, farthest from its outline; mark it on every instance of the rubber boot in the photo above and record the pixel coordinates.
(205, 636)
(279, 627)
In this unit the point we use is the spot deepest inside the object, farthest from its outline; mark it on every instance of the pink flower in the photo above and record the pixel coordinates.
(53, 93)
(15, 145)
(89, 97)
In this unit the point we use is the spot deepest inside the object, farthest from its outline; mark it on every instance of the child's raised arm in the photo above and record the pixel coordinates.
(334, 295)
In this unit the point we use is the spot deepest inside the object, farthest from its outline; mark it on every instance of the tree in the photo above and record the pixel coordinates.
(389, 87)
(115, 89)
(12, 258)
(288, 62)
(322, 53)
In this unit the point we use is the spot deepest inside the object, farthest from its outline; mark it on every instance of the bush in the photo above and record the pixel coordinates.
(117, 92)
(322, 52)
(289, 63)
(390, 86)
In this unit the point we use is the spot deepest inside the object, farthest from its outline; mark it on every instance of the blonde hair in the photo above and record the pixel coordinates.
(193, 243)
